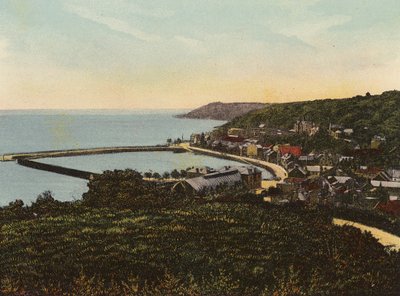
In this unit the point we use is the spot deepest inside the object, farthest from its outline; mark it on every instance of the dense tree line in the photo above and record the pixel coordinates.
(129, 237)
(368, 115)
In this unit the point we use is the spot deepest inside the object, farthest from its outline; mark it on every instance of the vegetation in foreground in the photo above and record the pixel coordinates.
(150, 241)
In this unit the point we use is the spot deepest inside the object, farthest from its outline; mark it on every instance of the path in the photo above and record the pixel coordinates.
(385, 238)
(277, 170)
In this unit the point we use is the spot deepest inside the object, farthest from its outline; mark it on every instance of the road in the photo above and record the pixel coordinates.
(278, 171)
(385, 238)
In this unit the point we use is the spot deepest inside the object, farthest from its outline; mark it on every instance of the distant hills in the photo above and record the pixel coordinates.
(222, 111)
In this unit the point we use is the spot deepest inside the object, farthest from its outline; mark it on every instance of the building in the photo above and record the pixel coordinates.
(292, 150)
(195, 139)
(368, 172)
(252, 150)
(341, 184)
(232, 140)
(307, 158)
(317, 170)
(230, 144)
(269, 154)
(305, 127)
(389, 179)
(199, 171)
(237, 132)
(251, 176)
(339, 132)
(297, 172)
(384, 176)
(348, 132)
(377, 141)
(227, 176)
(391, 207)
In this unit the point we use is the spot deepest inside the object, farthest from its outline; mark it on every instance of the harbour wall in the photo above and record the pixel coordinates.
(56, 169)
(88, 151)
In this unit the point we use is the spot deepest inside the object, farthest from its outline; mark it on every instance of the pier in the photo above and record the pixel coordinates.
(25, 158)
(88, 151)
(56, 169)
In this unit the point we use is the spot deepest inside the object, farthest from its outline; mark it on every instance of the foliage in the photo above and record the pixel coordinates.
(371, 218)
(156, 242)
(220, 248)
(368, 116)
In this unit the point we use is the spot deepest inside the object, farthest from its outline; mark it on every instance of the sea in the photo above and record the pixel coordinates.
(41, 130)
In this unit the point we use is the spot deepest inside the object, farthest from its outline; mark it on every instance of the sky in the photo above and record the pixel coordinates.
(120, 54)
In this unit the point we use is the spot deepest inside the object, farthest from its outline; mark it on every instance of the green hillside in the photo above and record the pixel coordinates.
(151, 241)
(209, 249)
(367, 115)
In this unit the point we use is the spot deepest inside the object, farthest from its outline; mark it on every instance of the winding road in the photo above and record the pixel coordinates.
(385, 238)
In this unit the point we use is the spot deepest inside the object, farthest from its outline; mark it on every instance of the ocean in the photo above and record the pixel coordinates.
(27, 131)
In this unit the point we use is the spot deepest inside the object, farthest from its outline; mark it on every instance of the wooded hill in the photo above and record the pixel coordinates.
(368, 115)
(222, 111)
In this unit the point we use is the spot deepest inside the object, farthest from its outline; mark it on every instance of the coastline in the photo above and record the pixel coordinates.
(273, 168)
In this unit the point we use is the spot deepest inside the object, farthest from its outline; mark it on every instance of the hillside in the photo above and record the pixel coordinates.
(223, 248)
(222, 111)
(127, 237)
(367, 115)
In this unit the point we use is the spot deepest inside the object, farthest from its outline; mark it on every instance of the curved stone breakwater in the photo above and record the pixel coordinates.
(25, 158)
(273, 168)
(88, 151)
(56, 169)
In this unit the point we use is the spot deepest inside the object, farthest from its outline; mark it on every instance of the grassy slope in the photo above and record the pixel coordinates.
(257, 247)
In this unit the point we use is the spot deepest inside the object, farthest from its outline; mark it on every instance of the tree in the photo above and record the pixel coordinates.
(16, 209)
(148, 175)
(166, 175)
(45, 203)
(175, 174)
(183, 173)
(114, 189)
(156, 175)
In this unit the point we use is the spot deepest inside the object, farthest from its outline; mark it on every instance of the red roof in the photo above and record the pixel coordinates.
(294, 180)
(390, 207)
(233, 139)
(293, 150)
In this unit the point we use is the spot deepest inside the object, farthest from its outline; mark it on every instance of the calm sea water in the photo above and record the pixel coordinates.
(25, 131)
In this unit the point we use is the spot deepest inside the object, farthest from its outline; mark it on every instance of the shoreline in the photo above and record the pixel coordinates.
(274, 169)
(278, 173)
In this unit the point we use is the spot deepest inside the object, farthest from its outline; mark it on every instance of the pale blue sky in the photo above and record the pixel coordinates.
(169, 54)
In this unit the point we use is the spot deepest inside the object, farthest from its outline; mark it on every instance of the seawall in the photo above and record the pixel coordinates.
(56, 169)
(275, 169)
(88, 151)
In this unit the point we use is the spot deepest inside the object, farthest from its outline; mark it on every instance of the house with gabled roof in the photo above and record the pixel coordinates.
(227, 176)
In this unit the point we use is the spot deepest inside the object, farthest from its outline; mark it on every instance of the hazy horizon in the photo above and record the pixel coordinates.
(79, 55)
(177, 108)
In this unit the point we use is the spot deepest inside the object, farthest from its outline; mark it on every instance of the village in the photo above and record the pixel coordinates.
(313, 177)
